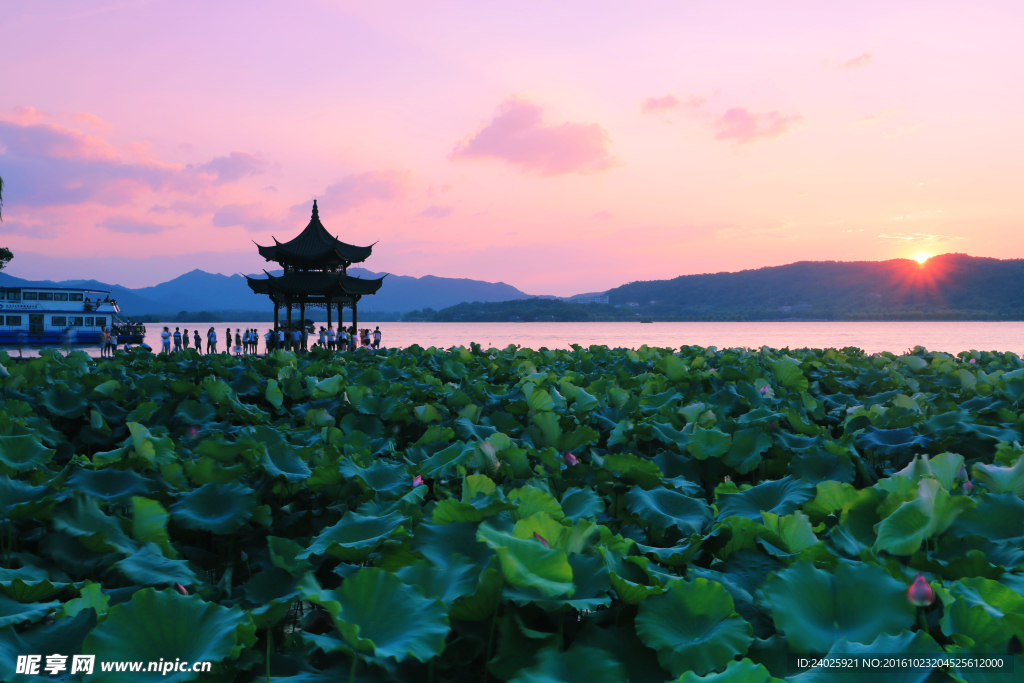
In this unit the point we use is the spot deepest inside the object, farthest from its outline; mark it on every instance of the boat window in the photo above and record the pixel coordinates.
(88, 322)
(30, 296)
(60, 296)
(101, 321)
(74, 297)
(59, 321)
(13, 296)
(46, 296)
(75, 322)
(13, 320)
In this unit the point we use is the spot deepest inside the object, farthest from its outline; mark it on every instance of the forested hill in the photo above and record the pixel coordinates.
(951, 287)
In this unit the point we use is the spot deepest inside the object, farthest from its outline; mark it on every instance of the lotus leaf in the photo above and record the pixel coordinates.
(148, 567)
(354, 537)
(816, 608)
(156, 625)
(780, 497)
(664, 508)
(528, 564)
(63, 635)
(376, 612)
(694, 627)
(23, 453)
(221, 509)
(905, 643)
(575, 665)
(109, 485)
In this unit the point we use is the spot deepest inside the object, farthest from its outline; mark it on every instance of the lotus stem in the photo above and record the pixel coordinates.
(490, 641)
(270, 641)
(352, 671)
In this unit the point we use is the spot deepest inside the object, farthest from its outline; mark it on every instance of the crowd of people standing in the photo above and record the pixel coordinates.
(247, 342)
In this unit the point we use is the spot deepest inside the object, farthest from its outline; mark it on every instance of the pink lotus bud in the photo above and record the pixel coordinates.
(764, 390)
(972, 361)
(181, 589)
(541, 539)
(920, 593)
(968, 487)
(962, 474)
(417, 481)
(570, 459)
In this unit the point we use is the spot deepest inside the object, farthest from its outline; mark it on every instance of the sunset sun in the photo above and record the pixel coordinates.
(921, 258)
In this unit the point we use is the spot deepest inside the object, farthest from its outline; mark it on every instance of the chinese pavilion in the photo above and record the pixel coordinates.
(315, 265)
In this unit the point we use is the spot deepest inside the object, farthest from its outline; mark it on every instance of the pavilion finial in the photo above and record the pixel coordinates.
(316, 213)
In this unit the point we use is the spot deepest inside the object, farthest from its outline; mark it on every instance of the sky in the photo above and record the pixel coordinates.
(561, 147)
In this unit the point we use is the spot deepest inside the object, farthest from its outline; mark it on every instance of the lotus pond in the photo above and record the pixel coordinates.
(586, 515)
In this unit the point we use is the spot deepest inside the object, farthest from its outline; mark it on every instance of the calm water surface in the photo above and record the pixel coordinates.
(951, 337)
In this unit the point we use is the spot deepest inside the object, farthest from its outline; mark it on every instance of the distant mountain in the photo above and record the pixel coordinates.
(201, 291)
(951, 287)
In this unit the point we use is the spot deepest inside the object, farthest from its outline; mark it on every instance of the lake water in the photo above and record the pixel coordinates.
(951, 337)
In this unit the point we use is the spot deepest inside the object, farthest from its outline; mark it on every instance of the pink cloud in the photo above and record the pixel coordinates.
(34, 231)
(743, 125)
(252, 217)
(857, 62)
(91, 120)
(656, 104)
(435, 211)
(602, 215)
(356, 190)
(128, 224)
(235, 166)
(518, 135)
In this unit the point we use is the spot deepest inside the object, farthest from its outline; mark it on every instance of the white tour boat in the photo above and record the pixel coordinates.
(46, 315)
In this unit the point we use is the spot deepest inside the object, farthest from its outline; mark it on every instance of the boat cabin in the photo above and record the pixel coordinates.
(47, 314)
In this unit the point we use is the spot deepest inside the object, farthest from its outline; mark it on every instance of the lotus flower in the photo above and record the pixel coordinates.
(570, 459)
(764, 390)
(417, 481)
(181, 589)
(920, 593)
(968, 487)
(972, 361)
(541, 539)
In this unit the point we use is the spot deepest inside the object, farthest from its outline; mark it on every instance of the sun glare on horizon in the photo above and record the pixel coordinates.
(921, 258)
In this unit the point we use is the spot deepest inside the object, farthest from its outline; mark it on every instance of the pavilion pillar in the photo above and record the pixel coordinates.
(288, 334)
(275, 314)
(355, 322)
(302, 322)
(328, 314)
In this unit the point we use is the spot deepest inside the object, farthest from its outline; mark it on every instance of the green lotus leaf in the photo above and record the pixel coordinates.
(446, 583)
(817, 465)
(694, 627)
(442, 543)
(787, 373)
(273, 394)
(779, 497)
(934, 510)
(281, 460)
(485, 599)
(985, 611)
(149, 567)
(354, 537)
(816, 609)
(622, 643)
(458, 453)
(708, 443)
(592, 585)
(528, 564)
(1001, 479)
(794, 531)
(376, 613)
(385, 476)
(64, 402)
(665, 508)
(997, 517)
(149, 525)
(14, 612)
(742, 671)
(220, 508)
(81, 517)
(156, 625)
(831, 497)
(630, 578)
(91, 596)
(61, 636)
(578, 503)
(109, 485)
(891, 441)
(23, 453)
(748, 445)
(274, 590)
(575, 665)
(530, 500)
(29, 584)
(908, 643)
(20, 499)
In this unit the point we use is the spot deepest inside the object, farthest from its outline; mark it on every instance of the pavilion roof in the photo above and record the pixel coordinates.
(314, 283)
(315, 246)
